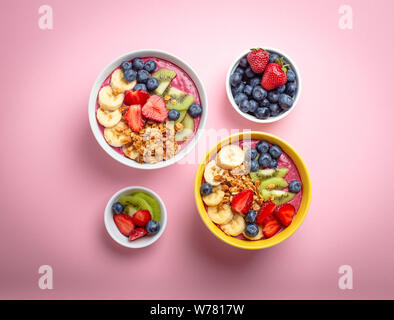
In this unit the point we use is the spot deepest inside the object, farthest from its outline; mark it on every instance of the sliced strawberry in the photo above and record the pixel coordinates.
(270, 226)
(141, 218)
(124, 223)
(155, 109)
(136, 97)
(285, 214)
(133, 117)
(242, 201)
(137, 233)
(265, 211)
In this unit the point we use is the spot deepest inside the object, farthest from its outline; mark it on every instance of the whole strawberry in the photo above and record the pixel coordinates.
(258, 59)
(274, 75)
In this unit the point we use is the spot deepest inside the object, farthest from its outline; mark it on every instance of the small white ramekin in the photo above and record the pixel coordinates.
(248, 116)
(113, 230)
(106, 72)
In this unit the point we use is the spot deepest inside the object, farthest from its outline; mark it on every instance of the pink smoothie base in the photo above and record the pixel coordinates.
(182, 81)
(284, 161)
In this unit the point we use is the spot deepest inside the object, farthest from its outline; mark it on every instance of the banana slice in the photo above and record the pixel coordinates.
(119, 84)
(221, 216)
(258, 236)
(235, 227)
(214, 198)
(230, 156)
(108, 119)
(108, 100)
(119, 135)
(130, 151)
(212, 170)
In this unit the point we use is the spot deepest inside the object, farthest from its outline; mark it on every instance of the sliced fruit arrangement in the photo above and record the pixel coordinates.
(137, 214)
(140, 95)
(263, 84)
(251, 205)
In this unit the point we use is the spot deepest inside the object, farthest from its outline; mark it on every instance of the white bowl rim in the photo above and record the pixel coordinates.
(104, 74)
(108, 219)
(248, 116)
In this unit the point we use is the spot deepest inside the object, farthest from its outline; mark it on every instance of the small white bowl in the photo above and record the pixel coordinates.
(106, 72)
(113, 230)
(248, 116)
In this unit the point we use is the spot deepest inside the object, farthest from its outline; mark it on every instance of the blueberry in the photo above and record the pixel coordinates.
(259, 93)
(243, 62)
(285, 101)
(129, 75)
(152, 227)
(195, 110)
(253, 105)
(251, 230)
(275, 109)
(117, 207)
(206, 189)
(262, 147)
(251, 154)
(281, 89)
(235, 79)
(240, 97)
(253, 165)
(142, 76)
(126, 65)
(265, 160)
(265, 103)
(249, 73)
(275, 151)
(248, 90)
(273, 96)
(290, 75)
(140, 86)
(295, 186)
(173, 114)
(150, 66)
(273, 57)
(251, 216)
(244, 106)
(262, 113)
(138, 64)
(240, 70)
(291, 88)
(255, 81)
(238, 89)
(152, 84)
(273, 164)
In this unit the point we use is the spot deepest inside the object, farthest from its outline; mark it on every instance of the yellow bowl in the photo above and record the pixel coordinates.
(298, 218)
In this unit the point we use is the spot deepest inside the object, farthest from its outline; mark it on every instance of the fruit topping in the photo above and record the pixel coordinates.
(152, 203)
(258, 59)
(152, 227)
(230, 156)
(290, 75)
(138, 64)
(222, 215)
(265, 160)
(155, 109)
(141, 218)
(214, 198)
(277, 196)
(119, 83)
(251, 216)
(274, 75)
(195, 110)
(275, 151)
(142, 76)
(140, 86)
(108, 100)
(150, 66)
(152, 84)
(133, 117)
(137, 233)
(136, 97)
(259, 93)
(285, 214)
(295, 186)
(251, 230)
(124, 223)
(285, 101)
(265, 211)
(130, 75)
(268, 173)
(273, 183)
(206, 189)
(126, 65)
(262, 146)
(270, 226)
(235, 79)
(164, 76)
(235, 227)
(188, 128)
(173, 114)
(211, 171)
(242, 201)
(177, 99)
(117, 207)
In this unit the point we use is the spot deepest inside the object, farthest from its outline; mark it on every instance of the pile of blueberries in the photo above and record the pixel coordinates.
(264, 156)
(253, 99)
(140, 70)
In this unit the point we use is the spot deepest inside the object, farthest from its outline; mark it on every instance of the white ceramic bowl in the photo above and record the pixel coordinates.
(113, 229)
(106, 72)
(248, 116)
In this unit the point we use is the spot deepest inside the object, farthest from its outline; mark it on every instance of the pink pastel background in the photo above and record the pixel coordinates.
(56, 180)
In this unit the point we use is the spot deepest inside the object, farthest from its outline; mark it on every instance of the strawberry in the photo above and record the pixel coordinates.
(274, 75)
(136, 97)
(242, 201)
(270, 226)
(137, 233)
(155, 109)
(141, 218)
(124, 223)
(134, 118)
(285, 214)
(258, 59)
(266, 210)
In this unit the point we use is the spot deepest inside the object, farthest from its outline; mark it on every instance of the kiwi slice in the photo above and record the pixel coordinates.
(135, 201)
(178, 100)
(188, 129)
(279, 183)
(263, 174)
(164, 76)
(280, 196)
(130, 210)
(153, 203)
(181, 116)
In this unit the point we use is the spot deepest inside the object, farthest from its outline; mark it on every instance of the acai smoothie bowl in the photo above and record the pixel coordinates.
(252, 190)
(147, 109)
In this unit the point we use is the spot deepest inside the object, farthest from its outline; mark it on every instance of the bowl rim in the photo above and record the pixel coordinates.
(104, 74)
(248, 116)
(108, 217)
(300, 215)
